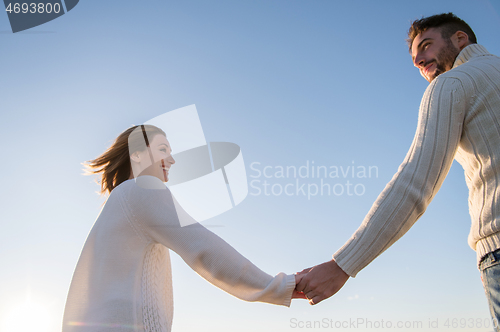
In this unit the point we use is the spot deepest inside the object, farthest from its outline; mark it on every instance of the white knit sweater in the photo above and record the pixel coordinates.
(123, 281)
(459, 118)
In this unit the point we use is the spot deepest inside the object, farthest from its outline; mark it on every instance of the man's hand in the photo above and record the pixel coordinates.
(321, 281)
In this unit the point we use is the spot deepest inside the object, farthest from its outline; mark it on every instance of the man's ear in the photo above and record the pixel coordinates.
(460, 39)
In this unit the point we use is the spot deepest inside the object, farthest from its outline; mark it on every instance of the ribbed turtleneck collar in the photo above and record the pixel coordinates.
(469, 52)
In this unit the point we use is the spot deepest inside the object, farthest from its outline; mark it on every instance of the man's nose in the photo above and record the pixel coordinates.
(418, 61)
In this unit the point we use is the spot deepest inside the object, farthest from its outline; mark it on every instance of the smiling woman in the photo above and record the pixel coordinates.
(155, 160)
(123, 279)
(126, 157)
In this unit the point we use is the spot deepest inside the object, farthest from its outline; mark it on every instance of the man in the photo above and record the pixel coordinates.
(459, 118)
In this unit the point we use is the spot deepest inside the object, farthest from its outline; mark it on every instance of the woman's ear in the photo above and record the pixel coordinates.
(135, 157)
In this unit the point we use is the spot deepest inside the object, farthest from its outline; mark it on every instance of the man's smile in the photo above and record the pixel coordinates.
(428, 67)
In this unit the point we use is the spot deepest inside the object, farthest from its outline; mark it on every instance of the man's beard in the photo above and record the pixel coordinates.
(446, 57)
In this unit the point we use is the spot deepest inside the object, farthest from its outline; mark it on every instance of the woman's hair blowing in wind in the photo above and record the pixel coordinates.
(114, 163)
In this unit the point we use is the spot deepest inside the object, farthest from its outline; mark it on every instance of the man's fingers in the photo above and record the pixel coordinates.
(304, 271)
(315, 300)
(298, 278)
(314, 297)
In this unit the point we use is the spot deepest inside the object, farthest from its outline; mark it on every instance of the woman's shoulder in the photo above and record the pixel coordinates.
(147, 199)
(144, 189)
(145, 182)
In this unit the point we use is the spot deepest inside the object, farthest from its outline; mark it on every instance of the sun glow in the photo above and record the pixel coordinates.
(27, 317)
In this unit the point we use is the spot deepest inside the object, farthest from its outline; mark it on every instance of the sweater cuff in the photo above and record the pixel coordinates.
(290, 286)
(342, 262)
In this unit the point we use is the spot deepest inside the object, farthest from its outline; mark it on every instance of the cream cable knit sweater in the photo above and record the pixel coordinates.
(123, 281)
(459, 118)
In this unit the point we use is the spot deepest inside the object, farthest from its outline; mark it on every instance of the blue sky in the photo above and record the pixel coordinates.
(290, 82)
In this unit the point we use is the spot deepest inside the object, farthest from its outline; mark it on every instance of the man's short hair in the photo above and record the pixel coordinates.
(448, 24)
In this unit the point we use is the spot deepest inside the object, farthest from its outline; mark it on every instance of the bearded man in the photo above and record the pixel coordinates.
(459, 118)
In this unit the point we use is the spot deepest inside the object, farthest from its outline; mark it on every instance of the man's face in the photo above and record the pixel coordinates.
(432, 54)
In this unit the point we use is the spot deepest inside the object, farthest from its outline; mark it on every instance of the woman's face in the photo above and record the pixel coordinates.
(156, 160)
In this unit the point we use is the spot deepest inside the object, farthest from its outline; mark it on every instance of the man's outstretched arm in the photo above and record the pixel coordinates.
(407, 195)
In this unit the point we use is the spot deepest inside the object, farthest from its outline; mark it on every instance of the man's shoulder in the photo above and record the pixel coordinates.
(476, 64)
(478, 74)
(445, 81)
(478, 69)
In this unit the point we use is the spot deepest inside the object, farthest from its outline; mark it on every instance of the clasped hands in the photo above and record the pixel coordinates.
(319, 282)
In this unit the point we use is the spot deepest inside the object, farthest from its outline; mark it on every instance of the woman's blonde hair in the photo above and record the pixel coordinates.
(114, 163)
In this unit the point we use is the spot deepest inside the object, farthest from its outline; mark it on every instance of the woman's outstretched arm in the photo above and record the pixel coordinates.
(158, 214)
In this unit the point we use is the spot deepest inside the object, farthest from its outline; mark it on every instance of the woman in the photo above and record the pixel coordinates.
(123, 281)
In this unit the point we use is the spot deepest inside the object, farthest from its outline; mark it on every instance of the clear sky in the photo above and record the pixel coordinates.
(290, 82)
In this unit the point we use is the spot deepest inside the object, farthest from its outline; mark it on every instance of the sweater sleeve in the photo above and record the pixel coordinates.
(211, 257)
(419, 177)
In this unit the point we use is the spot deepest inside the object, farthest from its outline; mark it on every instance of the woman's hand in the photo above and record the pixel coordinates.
(296, 294)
